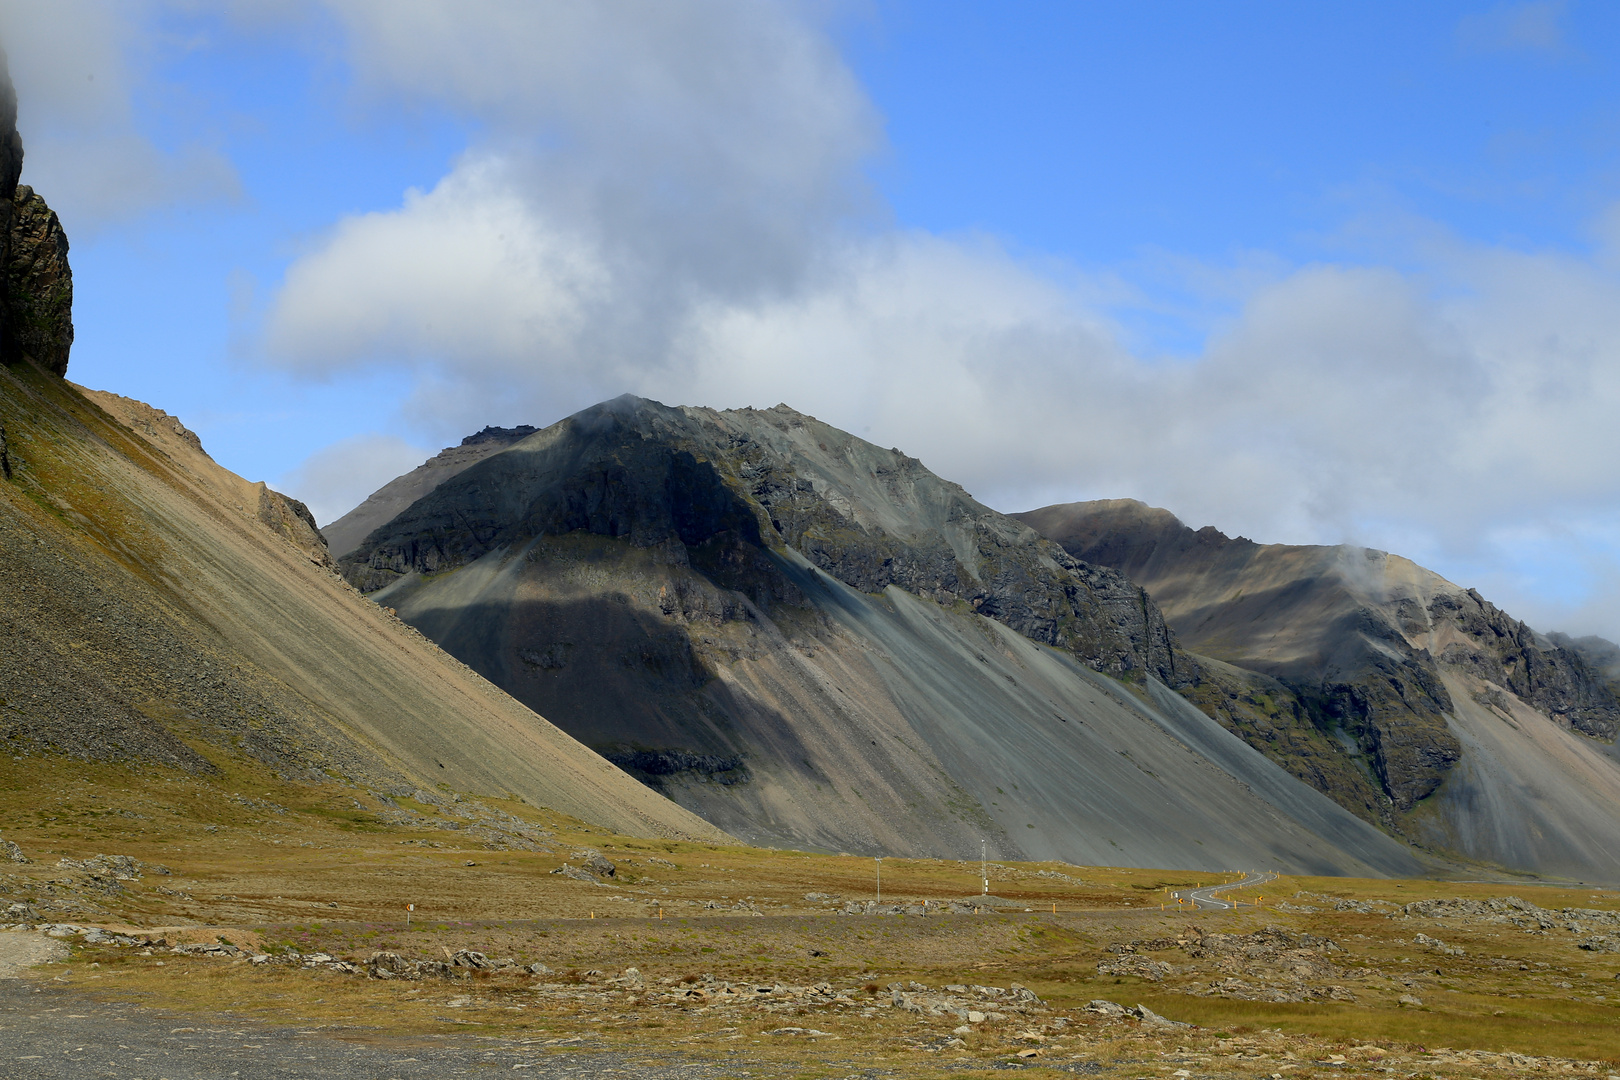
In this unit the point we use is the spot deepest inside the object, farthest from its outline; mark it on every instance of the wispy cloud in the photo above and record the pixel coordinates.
(338, 478)
(1531, 28)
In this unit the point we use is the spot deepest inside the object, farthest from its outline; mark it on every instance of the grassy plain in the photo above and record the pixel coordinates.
(331, 868)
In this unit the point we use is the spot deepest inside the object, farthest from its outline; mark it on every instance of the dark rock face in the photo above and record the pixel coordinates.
(656, 767)
(1276, 721)
(499, 434)
(1554, 677)
(39, 286)
(731, 487)
(36, 307)
(1395, 709)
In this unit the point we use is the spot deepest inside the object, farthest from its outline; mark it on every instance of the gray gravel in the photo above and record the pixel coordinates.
(51, 1033)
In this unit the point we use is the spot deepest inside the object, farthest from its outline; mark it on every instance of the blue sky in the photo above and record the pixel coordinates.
(1306, 272)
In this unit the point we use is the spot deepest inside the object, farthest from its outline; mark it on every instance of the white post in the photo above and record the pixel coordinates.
(879, 860)
(984, 873)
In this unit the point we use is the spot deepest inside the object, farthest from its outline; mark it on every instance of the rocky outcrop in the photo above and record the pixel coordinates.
(39, 286)
(1276, 721)
(1395, 709)
(1554, 678)
(292, 521)
(36, 307)
(499, 436)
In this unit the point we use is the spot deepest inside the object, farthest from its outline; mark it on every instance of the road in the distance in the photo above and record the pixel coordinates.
(1206, 898)
(51, 1032)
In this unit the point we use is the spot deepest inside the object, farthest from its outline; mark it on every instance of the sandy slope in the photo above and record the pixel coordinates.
(257, 630)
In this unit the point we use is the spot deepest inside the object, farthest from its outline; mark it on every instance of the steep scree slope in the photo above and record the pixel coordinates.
(157, 607)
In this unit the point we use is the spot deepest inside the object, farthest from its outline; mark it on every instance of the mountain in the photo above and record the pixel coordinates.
(1485, 736)
(346, 533)
(815, 642)
(158, 611)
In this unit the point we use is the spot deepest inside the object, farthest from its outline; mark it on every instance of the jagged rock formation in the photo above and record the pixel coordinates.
(1546, 674)
(814, 641)
(39, 286)
(1393, 663)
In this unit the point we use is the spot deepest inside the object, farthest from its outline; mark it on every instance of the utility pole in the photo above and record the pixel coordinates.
(879, 860)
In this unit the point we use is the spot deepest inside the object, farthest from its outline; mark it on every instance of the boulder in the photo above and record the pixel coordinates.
(389, 965)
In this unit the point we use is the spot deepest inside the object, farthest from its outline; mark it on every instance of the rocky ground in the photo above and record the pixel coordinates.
(1267, 994)
(628, 1024)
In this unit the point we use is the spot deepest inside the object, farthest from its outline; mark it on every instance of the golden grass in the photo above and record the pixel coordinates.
(329, 872)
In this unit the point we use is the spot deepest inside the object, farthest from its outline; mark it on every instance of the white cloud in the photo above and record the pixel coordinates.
(467, 274)
(710, 144)
(334, 480)
(663, 204)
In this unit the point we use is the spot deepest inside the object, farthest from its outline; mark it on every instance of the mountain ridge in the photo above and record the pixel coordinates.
(1400, 666)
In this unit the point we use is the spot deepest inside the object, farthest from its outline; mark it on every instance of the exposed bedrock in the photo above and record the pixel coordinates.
(36, 308)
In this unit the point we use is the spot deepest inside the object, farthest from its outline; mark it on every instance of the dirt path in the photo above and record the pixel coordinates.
(21, 949)
(51, 1032)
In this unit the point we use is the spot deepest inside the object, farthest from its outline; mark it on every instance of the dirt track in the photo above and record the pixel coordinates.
(24, 949)
(49, 1032)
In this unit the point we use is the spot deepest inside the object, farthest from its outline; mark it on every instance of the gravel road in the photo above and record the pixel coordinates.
(50, 1032)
